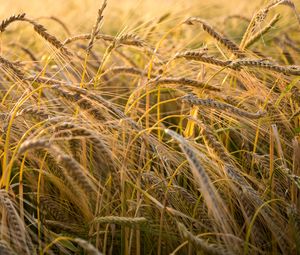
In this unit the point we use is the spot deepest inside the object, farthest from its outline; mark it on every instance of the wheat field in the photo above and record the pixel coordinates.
(150, 127)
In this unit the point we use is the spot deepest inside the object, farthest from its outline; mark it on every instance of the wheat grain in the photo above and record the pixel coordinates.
(130, 39)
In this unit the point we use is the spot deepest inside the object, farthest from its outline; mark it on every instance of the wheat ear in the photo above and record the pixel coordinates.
(185, 82)
(42, 31)
(89, 248)
(128, 70)
(5, 23)
(13, 67)
(288, 70)
(17, 227)
(244, 189)
(212, 198)
(230, 45)
(88, 37)
(128, 221)
(193, 100)
(199, 243)
(72, 169)
(34, 111)
(5, 249)
(92, 136)
(127, 39)
(95, 28)
(202, 57)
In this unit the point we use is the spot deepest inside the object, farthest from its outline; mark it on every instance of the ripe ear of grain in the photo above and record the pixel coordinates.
(209, 192)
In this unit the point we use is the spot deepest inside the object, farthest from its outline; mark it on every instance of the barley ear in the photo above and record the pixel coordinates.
(95, 28)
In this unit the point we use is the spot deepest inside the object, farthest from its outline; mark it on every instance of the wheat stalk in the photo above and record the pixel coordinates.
(256, 20)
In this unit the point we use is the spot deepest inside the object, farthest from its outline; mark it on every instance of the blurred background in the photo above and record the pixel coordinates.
(132, 16)
(80, 15)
